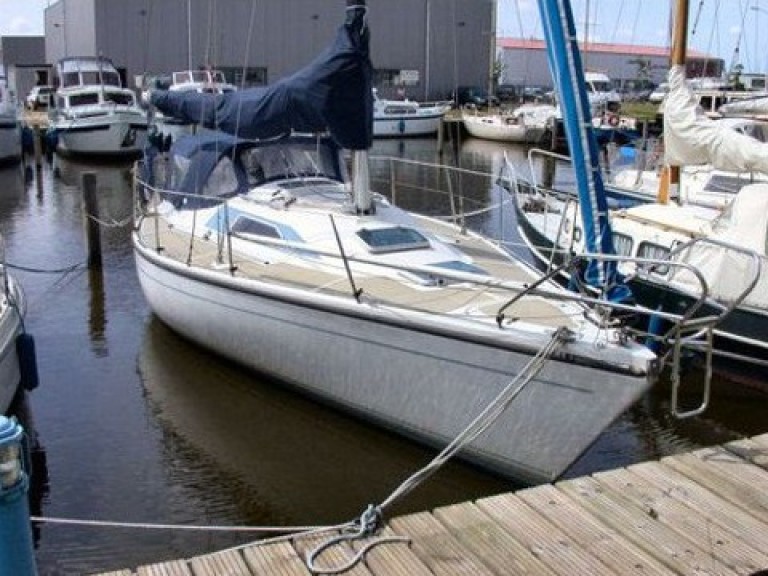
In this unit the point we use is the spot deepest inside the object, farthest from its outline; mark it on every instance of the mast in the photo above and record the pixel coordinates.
(568, 74)
(679, 51)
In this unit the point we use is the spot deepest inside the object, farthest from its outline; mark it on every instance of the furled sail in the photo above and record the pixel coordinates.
(332, 93)
(690, 137)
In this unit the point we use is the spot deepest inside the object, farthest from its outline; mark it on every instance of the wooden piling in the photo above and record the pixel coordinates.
(91, 210)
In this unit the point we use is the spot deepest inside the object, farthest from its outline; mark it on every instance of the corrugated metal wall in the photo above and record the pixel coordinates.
(449, 42)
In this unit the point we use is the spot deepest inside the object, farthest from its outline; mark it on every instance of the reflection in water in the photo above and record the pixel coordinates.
(301, 463)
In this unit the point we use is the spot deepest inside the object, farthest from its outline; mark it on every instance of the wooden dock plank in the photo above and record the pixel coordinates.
(750, 449)
(545, 540)
(394, 558)
(333, 557)
(728, 476)
(489, 541)
(277, 559)
(437, 548)
(642, 528)
(173, 568)
(709, 505)
(594, 536)
(724, 543)
(227, 563)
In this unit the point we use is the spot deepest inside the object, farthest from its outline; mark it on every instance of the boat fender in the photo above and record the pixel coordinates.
(401, 126)
(25, 349)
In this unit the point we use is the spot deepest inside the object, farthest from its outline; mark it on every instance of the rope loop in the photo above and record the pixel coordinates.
(367, 526)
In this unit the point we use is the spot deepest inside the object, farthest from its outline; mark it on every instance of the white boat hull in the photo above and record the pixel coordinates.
(498, 129)
(10, 328)
(10, 139)
(407, 126)
(415, 378)
(112, 135)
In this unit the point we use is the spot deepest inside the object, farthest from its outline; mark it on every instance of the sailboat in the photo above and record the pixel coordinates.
(266, 245)
(723, 253)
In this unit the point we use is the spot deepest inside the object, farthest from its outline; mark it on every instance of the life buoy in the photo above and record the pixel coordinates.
(613, 120)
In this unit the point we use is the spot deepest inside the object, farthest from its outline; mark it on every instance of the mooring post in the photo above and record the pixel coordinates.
(17, 554)
(37, 144)
(91, 208)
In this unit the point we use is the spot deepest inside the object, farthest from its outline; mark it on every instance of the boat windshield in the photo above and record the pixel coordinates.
(280, 161)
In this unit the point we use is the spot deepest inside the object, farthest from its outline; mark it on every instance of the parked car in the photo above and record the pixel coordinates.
(40, 97)
(506, 92)
(474, 96)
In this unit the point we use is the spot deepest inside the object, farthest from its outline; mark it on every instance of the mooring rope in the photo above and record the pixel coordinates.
(372, 519)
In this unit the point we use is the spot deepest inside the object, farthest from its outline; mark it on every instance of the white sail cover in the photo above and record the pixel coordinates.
(690, 137)
(727, 272)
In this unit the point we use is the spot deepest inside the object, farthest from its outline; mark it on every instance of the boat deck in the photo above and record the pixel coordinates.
(453, 299)
(704, 512)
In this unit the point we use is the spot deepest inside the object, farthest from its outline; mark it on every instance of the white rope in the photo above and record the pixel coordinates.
(155, 526)
(370, 521)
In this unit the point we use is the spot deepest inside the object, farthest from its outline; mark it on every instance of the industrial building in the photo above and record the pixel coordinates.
(523, 62)
(422, 48)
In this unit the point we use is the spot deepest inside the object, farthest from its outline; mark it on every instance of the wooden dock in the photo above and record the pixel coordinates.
(704, 512)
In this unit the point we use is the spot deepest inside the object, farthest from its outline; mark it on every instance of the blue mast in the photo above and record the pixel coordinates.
(568, 74)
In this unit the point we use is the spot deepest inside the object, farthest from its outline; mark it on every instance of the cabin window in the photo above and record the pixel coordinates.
(253, 227)
(654, 252)
(622, 244)
(70, 79)
(83, 99)
(223, 180)
(110, 78)
(121, 98)
(91, 77)
(395, 239)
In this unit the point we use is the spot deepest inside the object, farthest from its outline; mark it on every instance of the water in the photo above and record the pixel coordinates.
(131, 423)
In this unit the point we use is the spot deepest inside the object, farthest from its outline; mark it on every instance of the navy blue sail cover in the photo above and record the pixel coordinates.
(333, 93)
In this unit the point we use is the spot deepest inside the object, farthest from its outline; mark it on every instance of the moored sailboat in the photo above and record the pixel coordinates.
(257, 245)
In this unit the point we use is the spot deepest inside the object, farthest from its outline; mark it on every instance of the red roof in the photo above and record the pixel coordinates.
(598, 47)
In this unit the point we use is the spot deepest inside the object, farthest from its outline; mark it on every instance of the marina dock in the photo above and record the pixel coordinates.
(702, 512)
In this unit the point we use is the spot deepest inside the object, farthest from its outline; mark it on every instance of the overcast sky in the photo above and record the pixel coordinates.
(717, 26)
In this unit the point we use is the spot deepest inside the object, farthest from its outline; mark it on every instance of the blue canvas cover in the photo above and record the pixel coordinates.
(334, 93)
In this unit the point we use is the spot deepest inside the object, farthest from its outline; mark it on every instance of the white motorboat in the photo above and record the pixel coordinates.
(94, 115)
(401, 118)
(527, 124)
(256, 245)
(10, 127)
(204, 80)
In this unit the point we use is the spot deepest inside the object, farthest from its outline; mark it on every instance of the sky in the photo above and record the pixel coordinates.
(720, 27)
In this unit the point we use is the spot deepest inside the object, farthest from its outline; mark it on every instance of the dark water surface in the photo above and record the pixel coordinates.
(133, 424)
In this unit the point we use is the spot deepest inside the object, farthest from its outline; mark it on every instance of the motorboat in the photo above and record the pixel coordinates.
(204, 80)
(94, 115)
(400, 118)
(265, 244)
(10, 127)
